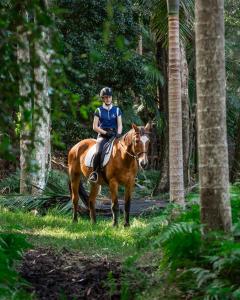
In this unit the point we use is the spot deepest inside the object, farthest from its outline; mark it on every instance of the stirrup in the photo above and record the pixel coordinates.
(92, 175)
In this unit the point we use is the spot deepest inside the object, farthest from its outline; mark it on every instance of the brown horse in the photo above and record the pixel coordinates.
(129, 153)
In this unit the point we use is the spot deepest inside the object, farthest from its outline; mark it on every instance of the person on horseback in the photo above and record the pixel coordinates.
(107, 123)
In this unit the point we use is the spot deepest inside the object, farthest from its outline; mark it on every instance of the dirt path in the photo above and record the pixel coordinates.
(70, 275)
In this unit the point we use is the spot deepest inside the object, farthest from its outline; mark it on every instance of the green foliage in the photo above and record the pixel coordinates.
(181, 244)
(14, 24)
(235, 193)
(11, 250)
(55, 195)
(199, 268)
(101, 38)
(217, 275)
(159, 21)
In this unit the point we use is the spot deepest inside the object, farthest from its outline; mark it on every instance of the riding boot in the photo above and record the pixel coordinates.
(93, 177)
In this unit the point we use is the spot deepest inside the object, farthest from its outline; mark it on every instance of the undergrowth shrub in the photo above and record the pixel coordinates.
(200, 268)
(11, 283)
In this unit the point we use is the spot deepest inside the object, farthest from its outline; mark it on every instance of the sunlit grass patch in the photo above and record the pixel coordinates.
(58, 231)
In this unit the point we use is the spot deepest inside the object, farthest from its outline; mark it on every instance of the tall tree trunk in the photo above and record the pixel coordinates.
(23, 58)
(175, 107)
(162, 185)
(140, 45)
(211, 99)
(185, 114)
(41, 115)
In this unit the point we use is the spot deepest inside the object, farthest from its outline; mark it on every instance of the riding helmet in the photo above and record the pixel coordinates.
(106, 91)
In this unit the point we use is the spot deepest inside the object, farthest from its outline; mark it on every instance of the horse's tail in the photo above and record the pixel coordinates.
(82, 193)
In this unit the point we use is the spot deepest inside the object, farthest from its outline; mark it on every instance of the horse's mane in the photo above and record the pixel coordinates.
(128, 136)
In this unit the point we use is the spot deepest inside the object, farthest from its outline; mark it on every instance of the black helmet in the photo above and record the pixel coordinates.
(106, 91)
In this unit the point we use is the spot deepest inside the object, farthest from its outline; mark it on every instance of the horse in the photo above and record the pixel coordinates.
(128, 154)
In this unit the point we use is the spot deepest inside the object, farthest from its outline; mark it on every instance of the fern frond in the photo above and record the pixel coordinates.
(202, 275)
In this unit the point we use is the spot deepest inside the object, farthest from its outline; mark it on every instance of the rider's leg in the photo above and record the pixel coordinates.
(97, 159)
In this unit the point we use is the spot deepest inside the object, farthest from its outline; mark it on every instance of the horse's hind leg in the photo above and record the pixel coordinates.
(92, 200)
(75, 180)
(113, 185)
(128, 195)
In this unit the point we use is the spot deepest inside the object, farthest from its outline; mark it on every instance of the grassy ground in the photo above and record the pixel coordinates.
(59, 231)
(55, 228)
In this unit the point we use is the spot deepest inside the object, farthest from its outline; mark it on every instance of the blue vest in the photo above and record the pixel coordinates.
(108, 118)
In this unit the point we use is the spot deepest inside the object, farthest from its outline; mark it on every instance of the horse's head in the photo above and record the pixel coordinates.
(140, 144)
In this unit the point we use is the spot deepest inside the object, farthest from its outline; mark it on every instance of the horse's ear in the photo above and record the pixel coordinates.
(135, 127)
(148, 126)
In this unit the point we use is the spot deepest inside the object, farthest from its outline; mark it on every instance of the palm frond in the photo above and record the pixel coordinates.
(153, 74)
(159, 20)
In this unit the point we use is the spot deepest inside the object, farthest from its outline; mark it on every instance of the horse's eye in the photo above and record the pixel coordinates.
(137, 140)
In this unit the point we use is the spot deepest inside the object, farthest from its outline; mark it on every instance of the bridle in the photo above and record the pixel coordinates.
(135, 156)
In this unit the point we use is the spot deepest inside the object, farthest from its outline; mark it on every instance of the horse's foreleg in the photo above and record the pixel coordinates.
(75, 180)
(92, 200)
(127, 196)
(113, 185)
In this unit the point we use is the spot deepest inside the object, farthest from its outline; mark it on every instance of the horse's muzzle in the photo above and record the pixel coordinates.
(143, 164)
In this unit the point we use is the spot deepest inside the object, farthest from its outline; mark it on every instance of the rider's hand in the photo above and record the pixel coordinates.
(109, 134)
(118, 135)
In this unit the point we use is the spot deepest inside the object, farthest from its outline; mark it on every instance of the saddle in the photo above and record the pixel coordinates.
(105, 155)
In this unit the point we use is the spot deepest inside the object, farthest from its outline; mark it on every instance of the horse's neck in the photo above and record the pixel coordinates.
(126, 142)
(128, 139)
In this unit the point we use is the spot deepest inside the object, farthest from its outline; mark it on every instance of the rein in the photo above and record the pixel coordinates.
(136, 156)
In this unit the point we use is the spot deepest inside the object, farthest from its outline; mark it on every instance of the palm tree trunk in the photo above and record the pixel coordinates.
(185, 114)
(42, 115)
(23, 58)
(175, 107)
(211, 99)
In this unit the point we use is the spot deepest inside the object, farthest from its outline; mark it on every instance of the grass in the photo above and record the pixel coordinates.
(59, 232)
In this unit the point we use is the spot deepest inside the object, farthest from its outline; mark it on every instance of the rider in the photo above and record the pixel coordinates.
(107, 123)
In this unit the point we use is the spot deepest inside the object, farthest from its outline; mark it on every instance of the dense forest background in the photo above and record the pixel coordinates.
(122, 45)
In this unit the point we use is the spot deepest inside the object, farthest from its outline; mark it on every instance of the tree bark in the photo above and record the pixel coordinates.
(140, 45)
(185, 114)
(211, 101)
(175, 108)
(23, 58)
(41, 115)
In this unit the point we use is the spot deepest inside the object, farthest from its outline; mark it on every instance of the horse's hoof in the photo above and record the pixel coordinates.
(75, 220)
(126, 225)
(114, 224)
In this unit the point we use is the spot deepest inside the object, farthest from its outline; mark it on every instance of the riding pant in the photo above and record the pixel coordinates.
(101, 141)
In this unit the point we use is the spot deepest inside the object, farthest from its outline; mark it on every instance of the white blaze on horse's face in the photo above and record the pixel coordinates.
(143, 160)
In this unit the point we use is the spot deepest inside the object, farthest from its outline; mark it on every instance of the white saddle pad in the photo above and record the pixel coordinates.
(90, 154)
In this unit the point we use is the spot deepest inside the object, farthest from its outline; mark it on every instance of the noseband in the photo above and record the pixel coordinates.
(136, 156)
